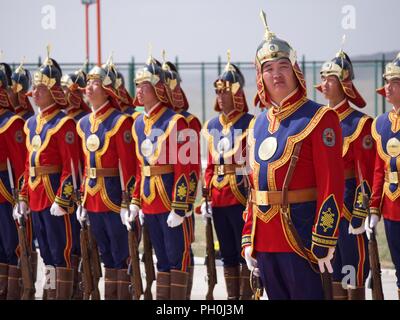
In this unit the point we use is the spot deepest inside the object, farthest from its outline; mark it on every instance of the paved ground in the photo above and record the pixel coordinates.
(200, 285)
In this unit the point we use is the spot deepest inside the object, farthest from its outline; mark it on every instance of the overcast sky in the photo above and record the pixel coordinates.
(196, 30)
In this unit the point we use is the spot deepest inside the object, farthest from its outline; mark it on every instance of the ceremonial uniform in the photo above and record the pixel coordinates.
(180, 105)
(12, 148)
(226, 179)
(359, 157)
(308, 194)
(73, 84)
(106, 142)
(162, 189)
(385, 200)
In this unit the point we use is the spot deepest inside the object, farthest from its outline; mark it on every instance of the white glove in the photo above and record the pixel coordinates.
(174, 219)
(133, 212)
(81, 214)
(188, 214)
(204, 213)
(250, 261)
(124, 214)
(56, 210)
(141, 217)
(326, 262)
(370, 225)
(24, 210)
(356, 231)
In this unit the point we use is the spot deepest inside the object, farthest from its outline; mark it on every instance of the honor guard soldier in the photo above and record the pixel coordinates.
(180, 105)
(73, 85)
(385, 200)
(225, 177)
(52, 144)
(21, 82)
(12, 149)
(292, 227)
(162, 188)
(358, 154)
(106, 142)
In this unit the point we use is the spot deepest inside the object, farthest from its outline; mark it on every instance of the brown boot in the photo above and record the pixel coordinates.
(3, 280)
(77, 292)
(110, 284)
(124, 282)
(34, 260)
(398, 292)
(339, 293)
(65, 283)
(190, 283)
(14, 280)
(163, 286)
(356, 293)
(231, 275)
(245, 289)
(179, 281)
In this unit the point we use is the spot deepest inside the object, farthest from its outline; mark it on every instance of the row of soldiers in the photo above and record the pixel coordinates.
(284, 189)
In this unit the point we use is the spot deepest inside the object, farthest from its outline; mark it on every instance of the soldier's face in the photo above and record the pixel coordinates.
(41, 96)
(392, 91)
(331, 88)
(225, 101)
(145, 93)
(279, 78)
(95, 92)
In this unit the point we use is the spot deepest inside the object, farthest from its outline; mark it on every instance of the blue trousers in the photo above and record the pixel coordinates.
(351, 251)
(76, 228)
(287, 276)
(171, 245)
(228, 224)
(54, 235)
(111, 237)
(8, 235)
(191, 227)
(392, 229)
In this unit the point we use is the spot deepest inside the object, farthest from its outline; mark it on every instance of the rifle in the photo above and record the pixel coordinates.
(376, 285)
(210, 252)
(89, 284)
(25, 258)
(256, 285)
(136, 287)
(147, 259)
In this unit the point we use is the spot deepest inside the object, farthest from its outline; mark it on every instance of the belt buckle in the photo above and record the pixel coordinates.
(92, 173)
(393, 177)
(261, 199)
(220, 170)
(146, 171)
(32, 172)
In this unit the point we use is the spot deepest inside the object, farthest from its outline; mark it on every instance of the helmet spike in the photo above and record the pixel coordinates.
(228, 56)
(20, 68)
(150, 50)
(268, 34)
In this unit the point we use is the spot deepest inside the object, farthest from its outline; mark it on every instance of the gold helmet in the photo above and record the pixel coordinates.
(231, 80)
(273, 48)
(342, 67)
(392, 71)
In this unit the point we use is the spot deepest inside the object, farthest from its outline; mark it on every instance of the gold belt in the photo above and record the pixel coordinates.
(222, 169)
(266, 198)
(392, 177)
(93, 173)
(42, 170)
(149, 171)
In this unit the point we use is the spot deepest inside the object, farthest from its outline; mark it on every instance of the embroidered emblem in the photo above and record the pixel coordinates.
(182, 191)
(69, 137)
(127, 137)
(19, 136)
(146, 147)
(223, 145)
(368, 143)
(192, 186)
(360, 200)
(68, 189)
(329, 137)
(393, 147)
(327, 220)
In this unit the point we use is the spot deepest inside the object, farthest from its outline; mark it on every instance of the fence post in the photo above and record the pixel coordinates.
(303, 65)
(314, 79)
(376, 86)
(177, 63)
(203, 92)
(219, 65)
(39, 61)
(131, 77)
